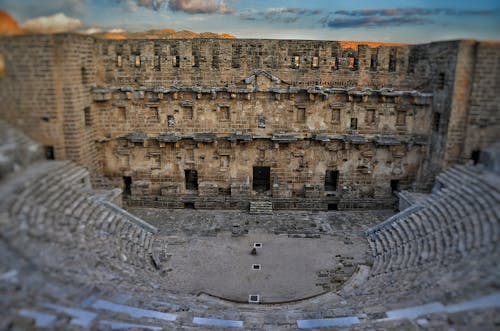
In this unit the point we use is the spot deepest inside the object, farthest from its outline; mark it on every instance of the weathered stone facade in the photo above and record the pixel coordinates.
(214, 123)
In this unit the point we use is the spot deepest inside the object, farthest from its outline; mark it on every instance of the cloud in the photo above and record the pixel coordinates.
(186, 6)
(367, 18)
(52, 24)
(117, 30)
(133, 5)
(281, 14)
(373, 21)
(91, 30)
(414, 12)
(200, 6)
(151, 4)
(25, 9)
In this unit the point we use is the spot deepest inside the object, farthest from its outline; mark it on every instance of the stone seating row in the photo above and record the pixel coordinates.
(456, 220)
(411, 242)
(433, 279)
(61, 193)
(430, 265)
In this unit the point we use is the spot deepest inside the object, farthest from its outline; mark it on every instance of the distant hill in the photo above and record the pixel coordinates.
(161, 34)
(186, 34)
(8, 25)
(373, 44)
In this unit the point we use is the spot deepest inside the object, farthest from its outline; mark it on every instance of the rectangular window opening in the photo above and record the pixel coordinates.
(236, 56)
(157, 64)
(301, 115)
(335, 64)
(436, 121)
(122, 113)
(373, 62)
(195, 62)
(401, 118)
(155, 113)
(370, 116)
(224, 161)
(215, 58)
(352, 63)
(224, 113)
(188, 112)
(441, 80)
(336, 116)
(315, 62)
(155, 161)
(175, 61)
(354, 123)
(392, 60)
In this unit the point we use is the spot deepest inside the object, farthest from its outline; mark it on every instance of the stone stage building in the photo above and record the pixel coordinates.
(210, 123)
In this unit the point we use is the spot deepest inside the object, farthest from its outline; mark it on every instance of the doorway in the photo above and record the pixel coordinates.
(127, 185)
(331, 180)
(261, 179)
(191, 178)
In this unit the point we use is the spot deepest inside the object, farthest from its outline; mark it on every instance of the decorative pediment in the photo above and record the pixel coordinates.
(262, 80)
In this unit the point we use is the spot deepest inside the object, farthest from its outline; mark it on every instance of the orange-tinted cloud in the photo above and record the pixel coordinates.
(8, 25)
(200, 6)
(52, 24)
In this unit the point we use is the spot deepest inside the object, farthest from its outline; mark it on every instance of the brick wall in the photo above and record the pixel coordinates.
(45, 90)
(482, 126)
(151, 109)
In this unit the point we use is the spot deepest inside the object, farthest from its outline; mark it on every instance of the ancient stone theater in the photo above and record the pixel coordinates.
(209, 184)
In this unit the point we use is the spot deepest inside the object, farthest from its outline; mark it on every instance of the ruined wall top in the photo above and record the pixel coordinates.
(230, 62)
(296, 63)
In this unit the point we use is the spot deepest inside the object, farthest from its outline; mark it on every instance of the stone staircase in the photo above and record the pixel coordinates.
(261, 207)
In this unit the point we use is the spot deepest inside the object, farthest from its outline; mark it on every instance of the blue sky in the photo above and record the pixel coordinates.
(385, 20)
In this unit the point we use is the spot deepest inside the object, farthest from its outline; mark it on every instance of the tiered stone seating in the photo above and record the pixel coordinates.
(56, 203)
(261, 207)
(455, 229)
